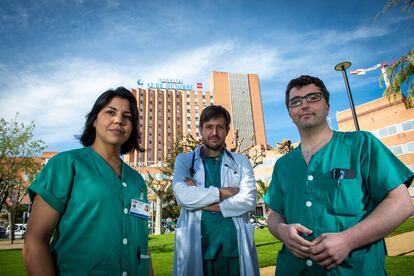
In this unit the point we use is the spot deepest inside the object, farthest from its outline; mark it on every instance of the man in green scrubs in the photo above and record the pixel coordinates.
(216, 190)
(335, 196)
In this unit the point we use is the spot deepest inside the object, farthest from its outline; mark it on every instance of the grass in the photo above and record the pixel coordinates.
(407, 226)
(162, 252)
(11, 262)
(399, 265)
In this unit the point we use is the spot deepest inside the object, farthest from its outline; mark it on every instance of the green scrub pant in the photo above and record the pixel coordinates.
(221, 265)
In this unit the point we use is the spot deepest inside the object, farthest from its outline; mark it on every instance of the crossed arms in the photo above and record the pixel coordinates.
(232, 201)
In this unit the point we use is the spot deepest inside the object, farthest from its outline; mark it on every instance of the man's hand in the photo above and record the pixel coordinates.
(290, 235)
(213, 208)
(228, 192)
(189, 181)
(331, 249)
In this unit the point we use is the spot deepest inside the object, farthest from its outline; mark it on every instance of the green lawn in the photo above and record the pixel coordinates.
(162, 250)
(407, 226)
(11, 263)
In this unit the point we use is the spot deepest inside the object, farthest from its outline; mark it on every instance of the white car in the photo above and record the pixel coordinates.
(19, 231)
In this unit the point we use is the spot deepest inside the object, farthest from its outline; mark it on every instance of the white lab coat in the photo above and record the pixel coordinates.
(235, 172)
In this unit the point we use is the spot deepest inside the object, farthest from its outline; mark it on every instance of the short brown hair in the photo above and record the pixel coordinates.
(305, 80)
(214, 111)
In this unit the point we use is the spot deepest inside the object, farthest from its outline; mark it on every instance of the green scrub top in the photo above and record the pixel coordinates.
(216, 231)
(311, 196)
(96, 234)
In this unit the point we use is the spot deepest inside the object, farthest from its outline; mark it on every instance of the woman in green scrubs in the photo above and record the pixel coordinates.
(89, 214)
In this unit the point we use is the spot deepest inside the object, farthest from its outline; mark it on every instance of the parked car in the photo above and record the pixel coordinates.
(19, 231)
(2, 231)
(257, 222)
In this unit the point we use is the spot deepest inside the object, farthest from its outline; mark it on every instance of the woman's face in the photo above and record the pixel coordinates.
(113, 124)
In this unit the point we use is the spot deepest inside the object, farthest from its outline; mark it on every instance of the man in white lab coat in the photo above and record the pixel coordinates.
(215, 189)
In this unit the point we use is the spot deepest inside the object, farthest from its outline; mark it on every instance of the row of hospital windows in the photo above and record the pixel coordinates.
(403, 148)
(394, 129)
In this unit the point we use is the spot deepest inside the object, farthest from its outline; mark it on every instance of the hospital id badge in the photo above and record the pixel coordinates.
(139, 208)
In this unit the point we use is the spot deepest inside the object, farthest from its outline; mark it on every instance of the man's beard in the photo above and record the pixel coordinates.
(212, 147)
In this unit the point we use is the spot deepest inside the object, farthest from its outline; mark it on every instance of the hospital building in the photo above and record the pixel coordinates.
(169, 108)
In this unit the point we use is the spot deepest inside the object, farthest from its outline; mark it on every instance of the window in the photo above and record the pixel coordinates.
(410, 147)
(392, 130)
(383, 132)
(397, 150)
(407, 125)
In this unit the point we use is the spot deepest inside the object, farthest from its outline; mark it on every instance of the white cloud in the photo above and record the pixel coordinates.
(59, 98)
(57, 95)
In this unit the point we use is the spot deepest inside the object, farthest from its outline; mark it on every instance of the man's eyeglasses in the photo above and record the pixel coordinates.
(310, 98)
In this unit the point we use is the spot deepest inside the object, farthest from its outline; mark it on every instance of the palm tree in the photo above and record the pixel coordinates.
(401, 71)
(261, 192)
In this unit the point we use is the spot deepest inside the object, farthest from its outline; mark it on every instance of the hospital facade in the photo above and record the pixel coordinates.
(389, 120)
(170, 109)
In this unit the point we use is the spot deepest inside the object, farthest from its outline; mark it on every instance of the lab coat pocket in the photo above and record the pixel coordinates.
(233, 178)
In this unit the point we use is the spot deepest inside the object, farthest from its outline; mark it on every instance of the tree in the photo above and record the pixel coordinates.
(400, 72)
(407, 8)
(162, 187)
(254, 153)
(285, 146)
(18, 167)
(262, 188)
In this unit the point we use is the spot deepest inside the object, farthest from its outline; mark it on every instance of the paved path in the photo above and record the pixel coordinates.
(17, 244)
(399, 245)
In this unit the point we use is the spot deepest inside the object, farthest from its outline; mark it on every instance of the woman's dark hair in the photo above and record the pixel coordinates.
(305, 80)
(89, 131)
(213, 112)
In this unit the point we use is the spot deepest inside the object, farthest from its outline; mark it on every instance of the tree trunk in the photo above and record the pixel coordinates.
(12, 221)
(158, 216)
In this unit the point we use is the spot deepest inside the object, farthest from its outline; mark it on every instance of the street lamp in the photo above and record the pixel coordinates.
(342, 67)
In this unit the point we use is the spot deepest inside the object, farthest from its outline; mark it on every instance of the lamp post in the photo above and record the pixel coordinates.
(342, 67)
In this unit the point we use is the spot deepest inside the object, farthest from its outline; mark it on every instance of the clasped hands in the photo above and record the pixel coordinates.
(328, 250)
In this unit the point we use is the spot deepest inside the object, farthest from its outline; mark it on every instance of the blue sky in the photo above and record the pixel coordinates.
(57, 56)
